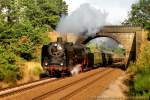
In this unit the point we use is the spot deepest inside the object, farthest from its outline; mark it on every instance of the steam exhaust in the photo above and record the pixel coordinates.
(76, 69)
(84, 21)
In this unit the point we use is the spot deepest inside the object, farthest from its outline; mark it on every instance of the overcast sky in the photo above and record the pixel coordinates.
(117, 9)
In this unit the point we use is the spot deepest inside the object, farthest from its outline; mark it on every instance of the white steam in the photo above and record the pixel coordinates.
(86, 19)
(76, 69)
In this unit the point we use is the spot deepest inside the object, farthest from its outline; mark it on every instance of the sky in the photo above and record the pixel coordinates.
(117, 9)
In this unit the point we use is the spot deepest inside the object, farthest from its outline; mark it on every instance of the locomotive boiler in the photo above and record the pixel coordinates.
(59, 58)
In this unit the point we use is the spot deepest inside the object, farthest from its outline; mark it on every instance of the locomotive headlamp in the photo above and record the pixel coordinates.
(55, 44)
(46, 63)
(61, 64)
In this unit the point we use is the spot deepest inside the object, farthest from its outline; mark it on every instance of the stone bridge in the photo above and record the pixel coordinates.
(130, 37)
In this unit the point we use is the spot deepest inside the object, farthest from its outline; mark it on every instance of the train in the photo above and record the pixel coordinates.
(62, 58)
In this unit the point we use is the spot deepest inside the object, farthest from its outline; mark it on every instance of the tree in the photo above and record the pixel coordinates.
(28, 18)
(22, 24)
(140, 15)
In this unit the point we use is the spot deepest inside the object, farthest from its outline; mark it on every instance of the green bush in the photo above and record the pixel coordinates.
(142, 80)
(22, 28)
(10, 73)
(140, 85)
(2, 73)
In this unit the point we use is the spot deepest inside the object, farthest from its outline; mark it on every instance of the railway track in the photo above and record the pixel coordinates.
(86, 80)
(13, 90)
(63, 88)
(84, 86)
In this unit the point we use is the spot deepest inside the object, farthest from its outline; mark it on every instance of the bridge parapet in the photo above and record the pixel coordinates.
(130, 37)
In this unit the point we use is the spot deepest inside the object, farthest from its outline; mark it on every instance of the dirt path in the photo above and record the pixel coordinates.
(116, 89)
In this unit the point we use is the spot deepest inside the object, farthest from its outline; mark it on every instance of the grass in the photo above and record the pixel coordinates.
(140, 85)
(30, 72)
(36, 71)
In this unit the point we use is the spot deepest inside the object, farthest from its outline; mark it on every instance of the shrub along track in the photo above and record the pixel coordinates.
(64, 88)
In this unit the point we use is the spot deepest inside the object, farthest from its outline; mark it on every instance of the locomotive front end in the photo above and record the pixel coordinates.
(53, 57)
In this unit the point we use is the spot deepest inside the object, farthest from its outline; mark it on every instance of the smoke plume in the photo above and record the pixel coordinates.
(84, 21)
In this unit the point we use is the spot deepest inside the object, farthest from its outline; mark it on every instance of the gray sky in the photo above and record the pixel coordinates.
(117, 9)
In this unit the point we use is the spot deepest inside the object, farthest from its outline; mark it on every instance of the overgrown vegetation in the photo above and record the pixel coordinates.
(22, 27)
(140, 84)
(141, 71)
(103, 47)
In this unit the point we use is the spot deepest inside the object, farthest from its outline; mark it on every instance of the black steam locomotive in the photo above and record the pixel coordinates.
(60, 57)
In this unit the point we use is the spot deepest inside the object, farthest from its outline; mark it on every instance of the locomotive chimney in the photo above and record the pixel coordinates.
(59, 39)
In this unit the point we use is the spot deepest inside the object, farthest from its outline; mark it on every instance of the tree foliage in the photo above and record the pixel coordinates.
(140, 84)
(22, 24)
(140, 15)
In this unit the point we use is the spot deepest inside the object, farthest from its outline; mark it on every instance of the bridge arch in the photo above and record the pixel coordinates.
(88, 39)
(129, 36)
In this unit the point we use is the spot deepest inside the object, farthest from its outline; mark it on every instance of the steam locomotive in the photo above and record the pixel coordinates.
(59, 58)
